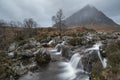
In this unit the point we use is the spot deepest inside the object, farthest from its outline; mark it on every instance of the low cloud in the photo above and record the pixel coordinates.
(42, 10)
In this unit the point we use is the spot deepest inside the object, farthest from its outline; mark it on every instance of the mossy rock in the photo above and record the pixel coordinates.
(43, 58)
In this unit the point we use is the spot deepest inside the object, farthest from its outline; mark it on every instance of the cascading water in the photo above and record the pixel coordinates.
(55, 50)
(105, 62)
(96, 47)
(98, 52)
(71, 69)
(75, 59)
(62, 70)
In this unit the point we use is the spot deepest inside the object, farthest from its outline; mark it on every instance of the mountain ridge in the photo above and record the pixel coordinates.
(89, 15)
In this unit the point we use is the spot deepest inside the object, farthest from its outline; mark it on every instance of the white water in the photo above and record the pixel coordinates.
(50, 42)
(69, 73)
(58, 53)
(75, 59)
(63, 43)
(105, 62)
(54, 50)
(70, 68)
(97, 48)
(98, 52)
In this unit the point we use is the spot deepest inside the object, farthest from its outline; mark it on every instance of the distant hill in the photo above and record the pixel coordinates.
(89, 15)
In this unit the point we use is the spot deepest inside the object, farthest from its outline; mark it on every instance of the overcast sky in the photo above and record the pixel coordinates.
(42, 10)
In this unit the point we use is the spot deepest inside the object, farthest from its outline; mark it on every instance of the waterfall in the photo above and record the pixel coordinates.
(57, 50)
(98, 52)
(70, 68)
(75, 59)
(96, 47)
(105, 62)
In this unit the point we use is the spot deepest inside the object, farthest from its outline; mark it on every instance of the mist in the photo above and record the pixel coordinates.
(42, 10)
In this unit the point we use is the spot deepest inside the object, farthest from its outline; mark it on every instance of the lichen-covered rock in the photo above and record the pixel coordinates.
(43, 58)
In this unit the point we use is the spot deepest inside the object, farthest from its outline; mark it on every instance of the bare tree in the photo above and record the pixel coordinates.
(30, 23)
(58, 20)
(30, 26)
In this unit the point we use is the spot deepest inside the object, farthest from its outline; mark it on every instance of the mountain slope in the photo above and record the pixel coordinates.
(89, 15)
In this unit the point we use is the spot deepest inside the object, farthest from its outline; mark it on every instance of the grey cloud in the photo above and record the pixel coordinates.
(42, 10)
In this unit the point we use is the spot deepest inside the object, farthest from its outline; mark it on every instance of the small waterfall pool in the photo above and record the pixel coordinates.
(57, 71)
(60, 70)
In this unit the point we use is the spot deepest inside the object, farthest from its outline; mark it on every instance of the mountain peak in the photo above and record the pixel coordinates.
(88, 6)
(89, 15)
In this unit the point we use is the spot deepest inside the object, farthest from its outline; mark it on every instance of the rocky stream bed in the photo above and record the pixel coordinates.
(66, 58)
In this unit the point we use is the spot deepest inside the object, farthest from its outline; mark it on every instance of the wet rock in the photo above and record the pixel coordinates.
(58, 47)
(66, 52)
(88, 59)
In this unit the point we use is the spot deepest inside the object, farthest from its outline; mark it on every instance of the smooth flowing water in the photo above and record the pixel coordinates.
(70, 69)
(63, 70)
(76, 58)
(60, 70)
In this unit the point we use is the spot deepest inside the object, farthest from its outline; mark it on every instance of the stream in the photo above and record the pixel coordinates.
(65, 70)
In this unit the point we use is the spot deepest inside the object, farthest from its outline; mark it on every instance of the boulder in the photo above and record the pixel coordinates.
(66, 52)
(43, 58)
